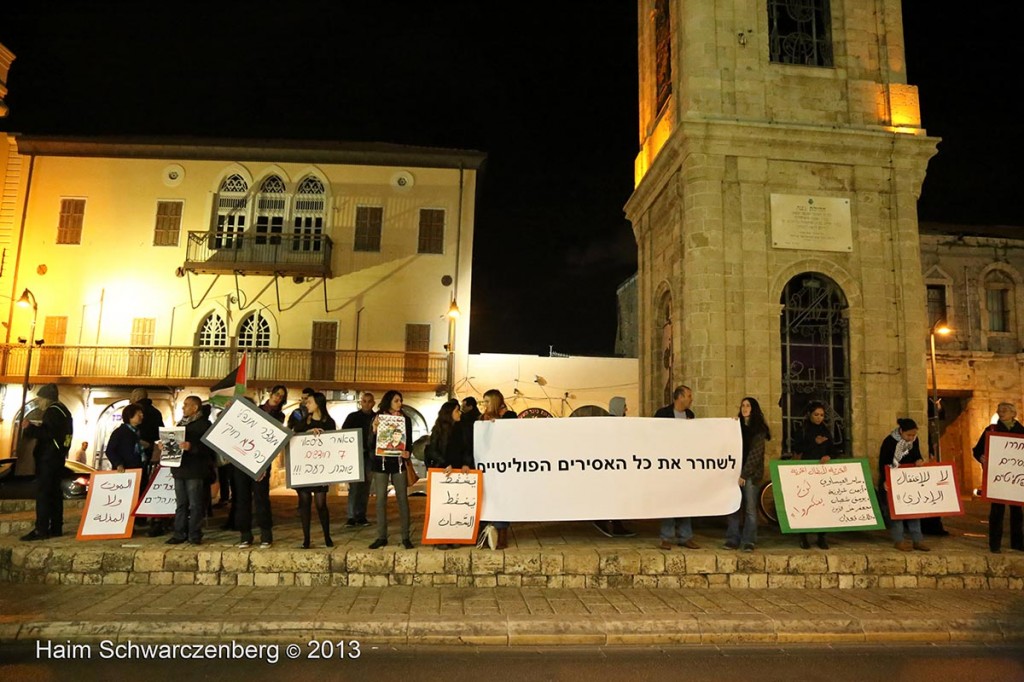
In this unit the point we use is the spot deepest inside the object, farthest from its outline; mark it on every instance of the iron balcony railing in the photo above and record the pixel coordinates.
(259, 253)
(113, 364)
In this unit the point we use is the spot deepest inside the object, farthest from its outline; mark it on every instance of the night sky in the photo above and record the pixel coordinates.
(546, 89)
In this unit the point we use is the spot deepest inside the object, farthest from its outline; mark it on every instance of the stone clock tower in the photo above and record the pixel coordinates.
(775, 213)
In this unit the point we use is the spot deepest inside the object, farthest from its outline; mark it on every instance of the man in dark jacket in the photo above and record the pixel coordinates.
(1007, 423)
(679, 530)
(53, 442)
(359, 491)
(189, 477)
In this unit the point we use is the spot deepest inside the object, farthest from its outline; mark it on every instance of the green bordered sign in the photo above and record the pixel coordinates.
(813, 497)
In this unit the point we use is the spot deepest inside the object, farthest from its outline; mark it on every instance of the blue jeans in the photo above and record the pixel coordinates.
(359, 494)
(896, 525)
(748, 510)
(189, 494)
(680, 528)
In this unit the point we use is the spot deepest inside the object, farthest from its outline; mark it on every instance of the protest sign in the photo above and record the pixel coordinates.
(916, 492)
(108, 507)
(158, 500)
(247, 436)
(328, 457)
(392, 440)
(453, 505)
(1004, 469)
(594, 468)
(171, 438)
(836, 496)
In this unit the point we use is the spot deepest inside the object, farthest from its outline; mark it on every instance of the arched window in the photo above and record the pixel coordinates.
(271, 205)
(310, 209)
(213, 332)
(665, 352)
(232, 208)
(815, 356)
(254, 331)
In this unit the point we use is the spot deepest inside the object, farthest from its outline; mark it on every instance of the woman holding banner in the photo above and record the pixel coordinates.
(815, 443)
(497, 409)
(900, 447)
(317, 421)
(755, 432)
(391, 455)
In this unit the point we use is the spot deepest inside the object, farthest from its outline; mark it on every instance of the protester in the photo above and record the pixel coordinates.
(815, 443)
(124, 450)
(359, 491)
(251, 493)
(299, 413)
(189, 476)
(678, 530)
(391, 469)
(470, 416)
(755, 432)
(495, 408)
(317, 421)
(1006, 423)
(53, 443)
(899, 448)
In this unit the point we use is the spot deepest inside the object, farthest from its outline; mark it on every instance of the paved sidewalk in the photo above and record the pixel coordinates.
(506, 616)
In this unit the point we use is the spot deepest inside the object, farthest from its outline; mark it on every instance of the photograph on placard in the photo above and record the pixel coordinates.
(392, 440)
(171, 438)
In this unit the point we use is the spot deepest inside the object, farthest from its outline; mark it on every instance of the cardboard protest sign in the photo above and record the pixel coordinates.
(247, 436)
(1004, 469)
(591, 468)
(108, 507)
(392, 440)
(158, 500)
(328, 457)
(171, 438)
(917, 492)
(814, 497)
(453, 507)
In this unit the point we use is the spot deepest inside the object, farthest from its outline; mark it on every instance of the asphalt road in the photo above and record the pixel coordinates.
(692, 664)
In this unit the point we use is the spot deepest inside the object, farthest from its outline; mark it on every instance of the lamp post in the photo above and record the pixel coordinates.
(28, 299)
(938, 328)
(453, 315)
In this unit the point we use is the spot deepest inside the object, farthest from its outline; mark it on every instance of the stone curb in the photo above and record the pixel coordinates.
(538, 631)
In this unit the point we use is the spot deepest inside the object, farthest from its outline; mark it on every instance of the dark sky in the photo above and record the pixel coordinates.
(546, 88)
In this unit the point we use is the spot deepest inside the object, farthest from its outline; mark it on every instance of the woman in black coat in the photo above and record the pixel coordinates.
(317, 421)
(815, 443)
(124, 450)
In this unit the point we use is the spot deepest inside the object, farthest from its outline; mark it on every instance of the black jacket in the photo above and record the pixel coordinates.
(887, 453)
(53, 434)
(123, 448)
(807, 447)
(979, 449)
(152, 422)
(198, 459)
(363, 421)
(668, 411)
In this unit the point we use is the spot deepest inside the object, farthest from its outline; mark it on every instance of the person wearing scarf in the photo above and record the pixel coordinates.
(1006, 423)
(900, 447)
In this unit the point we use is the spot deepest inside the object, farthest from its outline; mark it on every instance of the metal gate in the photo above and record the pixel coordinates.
(815, 356)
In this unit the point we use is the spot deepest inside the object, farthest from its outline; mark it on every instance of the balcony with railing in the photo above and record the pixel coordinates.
(154, 365)
(259, 253)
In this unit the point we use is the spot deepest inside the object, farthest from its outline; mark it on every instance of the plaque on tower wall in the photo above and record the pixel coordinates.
(811, 223)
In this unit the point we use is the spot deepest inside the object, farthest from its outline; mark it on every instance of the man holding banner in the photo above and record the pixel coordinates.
(1007, 423)
(190, 475)
(679, 530)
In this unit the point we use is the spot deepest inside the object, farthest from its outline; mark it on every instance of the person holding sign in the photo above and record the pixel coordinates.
(900, 447)
(1007, 423)
(815, 443)
(679, 530)
(124, 450)
(755, 432)
(53, 443)
(495, 408)
(250, 493)
(316, 422)
(190, 475)
(392, 454)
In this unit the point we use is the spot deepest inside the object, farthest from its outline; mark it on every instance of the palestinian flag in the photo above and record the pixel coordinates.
(231, 386)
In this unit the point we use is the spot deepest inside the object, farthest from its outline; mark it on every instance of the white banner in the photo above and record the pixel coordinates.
(1004, 468)
(598, 468)
(108, 507)
(247, 436)
(920, 491)
(159, 499)
(330, 457)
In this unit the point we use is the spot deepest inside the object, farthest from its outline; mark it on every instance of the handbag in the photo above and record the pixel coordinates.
(411, 477)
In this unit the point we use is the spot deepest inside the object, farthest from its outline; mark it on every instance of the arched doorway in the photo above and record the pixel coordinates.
(815, 345)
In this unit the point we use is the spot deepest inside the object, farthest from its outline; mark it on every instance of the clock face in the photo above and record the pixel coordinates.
(534, 413)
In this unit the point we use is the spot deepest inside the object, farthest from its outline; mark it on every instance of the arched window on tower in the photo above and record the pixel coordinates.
(232, 208)
(309, 214)
(271, 205)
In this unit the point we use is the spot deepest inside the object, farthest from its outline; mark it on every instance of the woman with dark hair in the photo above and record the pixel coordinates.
(388, 467)
(815, 443)
(317, 421)
(124, 449)
(900, 447)
(495, 408)
(755, 431)
(249, 493)
(448, 439)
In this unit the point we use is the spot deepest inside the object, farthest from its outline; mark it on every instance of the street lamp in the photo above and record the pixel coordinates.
(453, 315)
(28, 299)
(938, 328)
